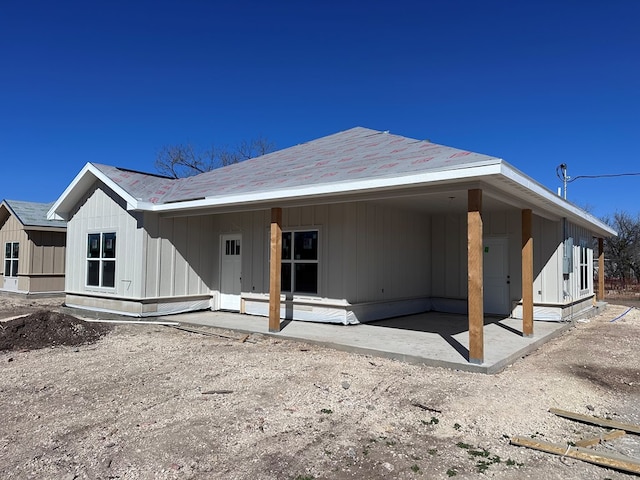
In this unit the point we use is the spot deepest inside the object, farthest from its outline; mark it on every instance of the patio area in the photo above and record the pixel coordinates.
(432, 338)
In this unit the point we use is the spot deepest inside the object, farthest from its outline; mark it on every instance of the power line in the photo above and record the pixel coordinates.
(571, 179)
(561, 172)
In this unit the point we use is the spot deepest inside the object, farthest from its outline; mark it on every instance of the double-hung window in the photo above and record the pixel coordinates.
(101, 260)
(300, 262)
(11, 253)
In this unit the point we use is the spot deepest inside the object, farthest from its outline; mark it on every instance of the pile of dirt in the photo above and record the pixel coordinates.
(46, 329)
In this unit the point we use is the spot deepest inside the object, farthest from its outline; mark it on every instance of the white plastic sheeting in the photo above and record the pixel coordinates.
(339, 312)
(168, 308)
(557, 313)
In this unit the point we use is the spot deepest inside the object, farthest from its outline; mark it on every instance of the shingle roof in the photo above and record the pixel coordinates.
(355, 154)
(142, 186)
(355, 161)
(32, 214)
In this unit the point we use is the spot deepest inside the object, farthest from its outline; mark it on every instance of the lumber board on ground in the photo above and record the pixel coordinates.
(602, 422)
(590, 442)
(603, 459)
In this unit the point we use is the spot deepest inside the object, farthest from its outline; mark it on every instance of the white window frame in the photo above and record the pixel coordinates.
(14, 264)
(293, 261)
(584, 279)
(100, 259)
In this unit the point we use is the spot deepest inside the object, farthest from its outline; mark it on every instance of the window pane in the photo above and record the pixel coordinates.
(285, 277)
(306, 278)
(93, 273)
(286, 246)
(108, 274)
(16, 249)
(108, 245)
(7, 250)
(93, 246)
(238, 247)
(14, 268)
(7, 268)
(306, 245)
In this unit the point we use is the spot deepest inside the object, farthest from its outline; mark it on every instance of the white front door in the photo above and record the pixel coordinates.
(496, 275)
(230, 272)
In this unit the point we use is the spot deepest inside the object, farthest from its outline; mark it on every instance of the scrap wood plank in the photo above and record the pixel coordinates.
(603, 459)
(590, 442)
(603, 422)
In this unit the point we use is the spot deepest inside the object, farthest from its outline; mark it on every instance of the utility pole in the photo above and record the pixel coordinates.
(561, 171)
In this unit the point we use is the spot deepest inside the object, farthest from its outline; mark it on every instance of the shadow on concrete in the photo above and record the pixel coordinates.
(447, 325)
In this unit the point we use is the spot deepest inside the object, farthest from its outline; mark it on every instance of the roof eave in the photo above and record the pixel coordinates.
(476, 171)
(11, 211)
(566, 209)
(495, 168)
(44, 228)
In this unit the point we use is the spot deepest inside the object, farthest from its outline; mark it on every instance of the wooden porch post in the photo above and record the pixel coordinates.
(475, 278)
(600, 295)
(527, 273)
(275, 269)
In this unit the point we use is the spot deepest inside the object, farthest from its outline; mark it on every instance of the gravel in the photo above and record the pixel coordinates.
(148, 401)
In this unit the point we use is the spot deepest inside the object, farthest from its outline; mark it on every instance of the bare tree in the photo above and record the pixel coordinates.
(623, 252)
(183, 160)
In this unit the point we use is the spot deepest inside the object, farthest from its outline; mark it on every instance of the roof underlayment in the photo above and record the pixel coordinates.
(355, 154)
(355, 160)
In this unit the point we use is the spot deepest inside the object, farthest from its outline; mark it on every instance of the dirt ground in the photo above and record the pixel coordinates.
(151, 401)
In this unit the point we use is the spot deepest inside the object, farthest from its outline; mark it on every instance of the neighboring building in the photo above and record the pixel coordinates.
(33, 248)
(359, 225)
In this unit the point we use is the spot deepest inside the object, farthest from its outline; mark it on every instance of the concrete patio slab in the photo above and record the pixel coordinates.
(435, 339)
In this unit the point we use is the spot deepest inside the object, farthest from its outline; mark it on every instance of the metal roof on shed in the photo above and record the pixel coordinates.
(32, 214)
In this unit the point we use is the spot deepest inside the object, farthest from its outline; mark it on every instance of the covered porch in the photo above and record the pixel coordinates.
(472, 201)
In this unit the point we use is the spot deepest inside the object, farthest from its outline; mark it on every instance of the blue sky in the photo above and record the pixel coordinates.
(536, 83)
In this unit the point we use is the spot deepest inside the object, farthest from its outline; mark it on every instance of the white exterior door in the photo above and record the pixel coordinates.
(230, 272)
(496, 275)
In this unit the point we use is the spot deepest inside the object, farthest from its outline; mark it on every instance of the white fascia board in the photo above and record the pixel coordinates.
(568, 209)
(10, 210)
(53, 214)
(79, 185)
(478, 171)
(472, 172)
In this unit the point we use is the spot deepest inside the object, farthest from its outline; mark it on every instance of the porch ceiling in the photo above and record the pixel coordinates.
(443, 202)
